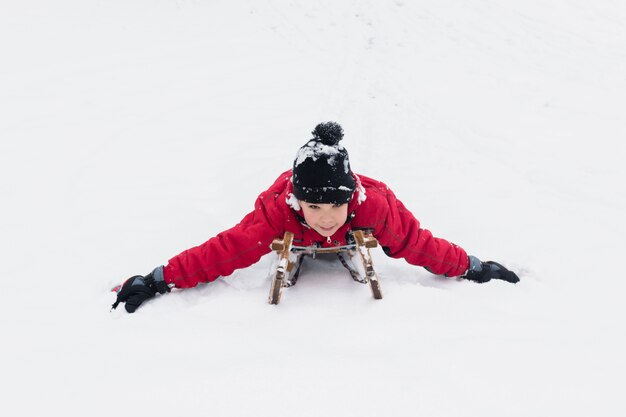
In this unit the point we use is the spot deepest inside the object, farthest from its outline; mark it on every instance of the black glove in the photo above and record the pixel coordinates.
(484, 271)
(138, 289)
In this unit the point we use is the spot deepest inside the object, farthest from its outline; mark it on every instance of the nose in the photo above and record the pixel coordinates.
(326, 219)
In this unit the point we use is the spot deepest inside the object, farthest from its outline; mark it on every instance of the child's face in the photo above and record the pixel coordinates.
(325, 219)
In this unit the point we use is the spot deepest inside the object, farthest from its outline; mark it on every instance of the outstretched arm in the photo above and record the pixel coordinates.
(232, 249)
(401, 236)
(235, 248)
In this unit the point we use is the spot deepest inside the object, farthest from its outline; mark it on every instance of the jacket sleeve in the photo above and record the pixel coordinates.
(401, 236)
(238, 247)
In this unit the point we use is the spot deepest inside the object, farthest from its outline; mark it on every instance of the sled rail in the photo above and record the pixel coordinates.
(288, 254)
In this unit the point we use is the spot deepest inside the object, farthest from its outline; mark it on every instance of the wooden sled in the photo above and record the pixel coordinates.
(290, 258)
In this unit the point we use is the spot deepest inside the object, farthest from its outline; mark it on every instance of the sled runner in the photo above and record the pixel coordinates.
(290, 259)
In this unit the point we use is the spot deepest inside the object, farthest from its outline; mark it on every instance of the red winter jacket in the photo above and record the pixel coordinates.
(373, 206)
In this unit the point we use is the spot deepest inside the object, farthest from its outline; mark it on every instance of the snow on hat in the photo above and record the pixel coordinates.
(321, 170)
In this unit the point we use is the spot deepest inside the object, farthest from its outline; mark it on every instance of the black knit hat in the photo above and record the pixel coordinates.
(321, 170)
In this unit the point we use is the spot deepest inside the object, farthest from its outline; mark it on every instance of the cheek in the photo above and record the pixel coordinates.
(309, 217)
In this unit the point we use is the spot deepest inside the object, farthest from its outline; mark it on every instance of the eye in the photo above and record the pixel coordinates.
(313, 206)
(337, 205)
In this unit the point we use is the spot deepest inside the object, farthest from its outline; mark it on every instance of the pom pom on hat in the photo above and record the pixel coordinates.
(329, 133)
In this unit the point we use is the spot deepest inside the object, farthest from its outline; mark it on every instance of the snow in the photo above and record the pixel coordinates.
(361, 194)
(134, 130)
(314, 150)
(293, 202)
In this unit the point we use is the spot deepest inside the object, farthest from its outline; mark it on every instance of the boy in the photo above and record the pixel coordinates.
(320, 201)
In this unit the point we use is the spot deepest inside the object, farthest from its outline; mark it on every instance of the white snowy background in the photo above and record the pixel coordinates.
(134, 129)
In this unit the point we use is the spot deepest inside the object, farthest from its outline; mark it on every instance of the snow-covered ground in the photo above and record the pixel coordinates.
(132, 130)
